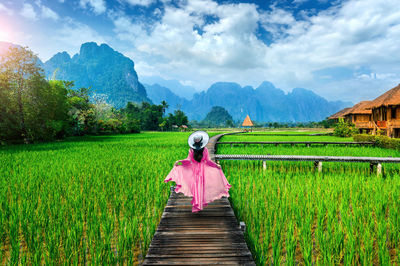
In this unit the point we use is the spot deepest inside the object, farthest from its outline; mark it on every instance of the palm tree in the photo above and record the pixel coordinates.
(165, 105)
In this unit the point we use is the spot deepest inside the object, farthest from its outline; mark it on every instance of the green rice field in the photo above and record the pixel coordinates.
(99, 199)
(95, 200)
(297, 216)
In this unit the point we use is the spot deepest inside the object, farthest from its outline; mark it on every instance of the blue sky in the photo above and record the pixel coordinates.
(342, 50)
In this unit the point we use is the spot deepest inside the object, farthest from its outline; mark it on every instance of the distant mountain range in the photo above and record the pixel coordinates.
(265, 103)
(112, 74)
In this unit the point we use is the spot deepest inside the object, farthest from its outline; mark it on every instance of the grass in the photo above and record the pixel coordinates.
(297, 216)
(91, 200)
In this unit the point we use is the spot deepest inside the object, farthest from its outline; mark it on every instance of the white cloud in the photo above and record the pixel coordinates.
(97, 6)
(206, 42)
(28, 12)
(48, 13)
(140, 2)
(6, 10)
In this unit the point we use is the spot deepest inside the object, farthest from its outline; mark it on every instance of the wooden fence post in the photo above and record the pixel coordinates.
(379, 169)
(264, 165)
(371, 168)
(318, 165)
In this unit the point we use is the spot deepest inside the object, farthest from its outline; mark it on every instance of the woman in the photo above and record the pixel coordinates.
(197, 176)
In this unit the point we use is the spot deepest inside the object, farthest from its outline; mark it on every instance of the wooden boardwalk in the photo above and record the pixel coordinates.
(210, 236)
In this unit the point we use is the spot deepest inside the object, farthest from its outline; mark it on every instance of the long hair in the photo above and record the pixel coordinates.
(198, 154)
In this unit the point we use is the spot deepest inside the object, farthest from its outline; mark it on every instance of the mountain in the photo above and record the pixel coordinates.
(175, 86)
(218, 116)
(265, 103)
(106, 71)
(159, 93)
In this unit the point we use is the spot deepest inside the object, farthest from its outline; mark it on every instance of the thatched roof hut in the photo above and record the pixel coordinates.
(360, 108)
(247, 122)
(340, 114)
(391, 97)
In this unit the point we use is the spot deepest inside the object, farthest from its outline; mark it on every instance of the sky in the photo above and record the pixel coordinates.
(342, 50)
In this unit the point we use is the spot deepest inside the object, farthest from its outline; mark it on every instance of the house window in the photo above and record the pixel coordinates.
(394, 113)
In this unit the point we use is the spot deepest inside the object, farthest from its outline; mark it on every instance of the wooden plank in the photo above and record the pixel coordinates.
(210, 236)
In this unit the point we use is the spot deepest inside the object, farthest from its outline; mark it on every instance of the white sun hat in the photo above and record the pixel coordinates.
(198, 140)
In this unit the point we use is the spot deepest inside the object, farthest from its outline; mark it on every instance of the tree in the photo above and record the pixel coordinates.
(32, 107)
(19, 66)
(344, 129)
(165, 106)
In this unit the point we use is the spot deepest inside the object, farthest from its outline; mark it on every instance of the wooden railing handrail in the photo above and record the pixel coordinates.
(372, 160)
(296, 142)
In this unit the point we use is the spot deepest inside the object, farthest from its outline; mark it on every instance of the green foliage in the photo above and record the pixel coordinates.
(380, 141)
(32, 108)
(344, 129)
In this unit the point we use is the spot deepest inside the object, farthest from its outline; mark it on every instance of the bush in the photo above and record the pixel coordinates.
(344, 129)
(364, 138)
(380, 141)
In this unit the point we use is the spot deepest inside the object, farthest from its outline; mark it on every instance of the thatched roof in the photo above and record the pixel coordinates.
(360, 108)
(247, 122)
(340, 114)
(391, 97)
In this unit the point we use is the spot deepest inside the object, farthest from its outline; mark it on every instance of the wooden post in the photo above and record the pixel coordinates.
(379, 169)
(231, 145)
(264, 165)
(371, 168)
(308, 145)
(318, 165)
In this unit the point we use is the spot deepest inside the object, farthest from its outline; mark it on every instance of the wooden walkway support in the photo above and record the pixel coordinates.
(306, 143)
(210, 236)
(373, 161)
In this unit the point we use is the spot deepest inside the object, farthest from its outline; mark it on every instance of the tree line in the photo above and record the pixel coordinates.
(33, 108)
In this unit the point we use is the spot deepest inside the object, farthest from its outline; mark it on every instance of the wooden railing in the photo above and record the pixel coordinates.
(364, 124)
(307, 143)
(394, 123)
(373, 161)
(381, 124)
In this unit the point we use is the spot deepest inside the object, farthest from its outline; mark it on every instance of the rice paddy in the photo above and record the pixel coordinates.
(94, 200)
(297, 216)
(98, 200)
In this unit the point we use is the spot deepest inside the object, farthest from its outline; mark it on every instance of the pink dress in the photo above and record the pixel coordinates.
(203, 181)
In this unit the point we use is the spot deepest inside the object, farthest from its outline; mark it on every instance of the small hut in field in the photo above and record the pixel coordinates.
(247, 124)
(386, 112)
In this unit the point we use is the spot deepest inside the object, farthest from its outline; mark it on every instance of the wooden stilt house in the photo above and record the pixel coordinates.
(386, 112)
(339, 114)
(247, 124)
(361, 116)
